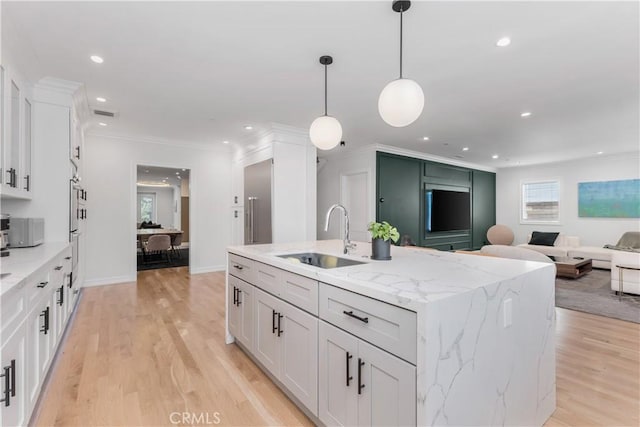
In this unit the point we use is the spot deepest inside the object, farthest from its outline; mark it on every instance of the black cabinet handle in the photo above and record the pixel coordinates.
(28, 179)
(237, 267)
(273, 322)
(14, 179)
(70, 284)
(355, 316)
(360, 385)
(238, 302)
(10, 172)
(58, 268)
(280, 331)
(77, 156)
(235, 295)
(43, 284)
(45, 326)
(8, 372)
(349, 377)
(61, 300)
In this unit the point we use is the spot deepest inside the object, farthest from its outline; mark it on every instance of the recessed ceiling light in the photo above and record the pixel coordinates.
(101, 99)
(465, 149)
(525, 114)
(177, 173)
(495, 156)
(225, 142)
(166, 177)
(248, 127)
(102, 124)
(146, 170)
(184, 170)
(425, 138)
(599, 152)
(97, 59)
(503, 42)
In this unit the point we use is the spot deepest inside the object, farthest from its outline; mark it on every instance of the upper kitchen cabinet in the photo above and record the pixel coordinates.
(16, 134)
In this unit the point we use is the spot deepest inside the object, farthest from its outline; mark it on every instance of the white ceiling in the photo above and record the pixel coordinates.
(198, 72)
(158, 176)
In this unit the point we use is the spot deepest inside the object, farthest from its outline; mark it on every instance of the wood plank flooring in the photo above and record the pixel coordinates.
(143, 353)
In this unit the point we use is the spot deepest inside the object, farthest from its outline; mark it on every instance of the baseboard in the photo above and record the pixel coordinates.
(208, 269)
(108, 281)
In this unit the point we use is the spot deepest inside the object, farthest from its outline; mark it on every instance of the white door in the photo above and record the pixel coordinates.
(388, 394)
(232, 309)
(12, 386)
(245, 314)
(267, 346)
(299, 337)
(337, 382)
(354, 195)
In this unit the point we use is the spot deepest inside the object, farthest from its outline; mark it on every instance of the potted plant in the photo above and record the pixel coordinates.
(382, 234)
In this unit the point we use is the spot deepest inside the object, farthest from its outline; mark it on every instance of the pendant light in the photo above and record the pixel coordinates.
(402, 100)
(325, 131)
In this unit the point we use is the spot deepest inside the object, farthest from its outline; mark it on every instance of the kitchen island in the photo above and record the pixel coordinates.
(428, 338)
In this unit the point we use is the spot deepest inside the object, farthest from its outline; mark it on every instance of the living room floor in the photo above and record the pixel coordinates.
(136, 353)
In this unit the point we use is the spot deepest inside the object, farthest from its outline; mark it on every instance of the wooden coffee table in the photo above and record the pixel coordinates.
(572, 267)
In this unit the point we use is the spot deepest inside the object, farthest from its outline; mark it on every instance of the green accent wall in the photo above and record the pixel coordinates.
(401, 183)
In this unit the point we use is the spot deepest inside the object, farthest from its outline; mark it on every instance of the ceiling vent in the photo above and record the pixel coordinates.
(105, 113)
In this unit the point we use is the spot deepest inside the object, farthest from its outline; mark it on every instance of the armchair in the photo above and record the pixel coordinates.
(631, 278)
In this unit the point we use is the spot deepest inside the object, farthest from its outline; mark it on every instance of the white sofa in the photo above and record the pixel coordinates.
(569, 246)
(630, 278)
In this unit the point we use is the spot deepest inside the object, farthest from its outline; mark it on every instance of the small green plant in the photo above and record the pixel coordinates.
(383, 230)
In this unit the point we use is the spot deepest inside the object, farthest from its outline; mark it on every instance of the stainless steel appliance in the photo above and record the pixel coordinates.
(257, 207)
(4, 234)
(26, 232)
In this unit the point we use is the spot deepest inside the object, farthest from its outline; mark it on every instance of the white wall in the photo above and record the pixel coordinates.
(110, 177)
(592, 231)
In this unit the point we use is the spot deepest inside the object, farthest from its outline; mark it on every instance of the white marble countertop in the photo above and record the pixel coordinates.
(412, 278)
(24, 262)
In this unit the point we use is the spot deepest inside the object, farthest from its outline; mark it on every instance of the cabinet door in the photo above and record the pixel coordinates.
(39, 348)
(233, 317)
(299, 338)
(483, 205)
(398, 201)
(61, 315)
(267, 346)
(337, 382)
(12, 145)
(388, 396)
(13, 365)
(25, 170)
(245, 314)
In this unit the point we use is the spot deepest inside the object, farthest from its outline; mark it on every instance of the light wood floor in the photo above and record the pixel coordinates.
(138, 352)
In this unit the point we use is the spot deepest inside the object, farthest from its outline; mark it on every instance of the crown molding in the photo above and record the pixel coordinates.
(159, 141)
(424, 156)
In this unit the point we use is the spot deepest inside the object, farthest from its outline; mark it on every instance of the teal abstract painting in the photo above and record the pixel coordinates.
(609, 199)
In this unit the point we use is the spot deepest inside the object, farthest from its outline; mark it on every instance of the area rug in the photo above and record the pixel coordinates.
(592, 294)
(160, 261)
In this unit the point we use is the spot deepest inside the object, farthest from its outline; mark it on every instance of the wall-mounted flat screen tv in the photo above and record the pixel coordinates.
(447, 210)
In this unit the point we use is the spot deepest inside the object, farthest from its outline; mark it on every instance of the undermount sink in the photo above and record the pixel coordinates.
(320, 260)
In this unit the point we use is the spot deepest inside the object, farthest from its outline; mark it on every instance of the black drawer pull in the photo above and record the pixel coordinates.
(238, 267)
(67, 258)
(45, 315)
(355, 316)
(43, 284)
(273, 322)
(349, 377)
(235, 296)
(238, 302)
(61, 300)
(280, 331)
(360, 385)
(58, 268)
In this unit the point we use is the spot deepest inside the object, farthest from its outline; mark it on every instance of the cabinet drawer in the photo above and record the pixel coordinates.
(38, 288)
(241, 267)
(13, 309)
(384, 325)
(299, 291)
(268, 278)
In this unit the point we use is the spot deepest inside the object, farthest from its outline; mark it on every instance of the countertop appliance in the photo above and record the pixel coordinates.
(257, 196)
(4, 234)
(26, 232)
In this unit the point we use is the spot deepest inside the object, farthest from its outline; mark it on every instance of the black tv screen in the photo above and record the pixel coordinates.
(447, 210)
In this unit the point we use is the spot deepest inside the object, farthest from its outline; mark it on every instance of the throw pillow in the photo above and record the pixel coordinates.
(543, 239)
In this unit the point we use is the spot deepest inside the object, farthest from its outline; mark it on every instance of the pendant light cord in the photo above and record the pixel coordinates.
(325, 89)
(401, 13)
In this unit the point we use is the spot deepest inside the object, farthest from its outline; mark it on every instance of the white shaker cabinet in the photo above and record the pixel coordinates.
(267, 348)
(240, 309)
(12, 380)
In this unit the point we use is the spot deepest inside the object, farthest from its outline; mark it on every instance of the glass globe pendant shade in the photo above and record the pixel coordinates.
(325, 132)
(401, 102)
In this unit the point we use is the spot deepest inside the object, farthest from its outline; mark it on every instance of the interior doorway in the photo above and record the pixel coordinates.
(162, 217)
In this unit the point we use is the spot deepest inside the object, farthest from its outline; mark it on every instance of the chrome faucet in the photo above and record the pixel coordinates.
(346, 242)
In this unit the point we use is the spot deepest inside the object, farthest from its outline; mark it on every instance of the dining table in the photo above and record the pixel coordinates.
(143, 234)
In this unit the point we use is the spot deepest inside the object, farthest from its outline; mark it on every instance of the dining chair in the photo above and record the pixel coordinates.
(157, 244)
(176, 241)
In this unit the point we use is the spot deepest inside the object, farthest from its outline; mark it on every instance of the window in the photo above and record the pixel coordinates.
(147, 207)
(540, 202)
